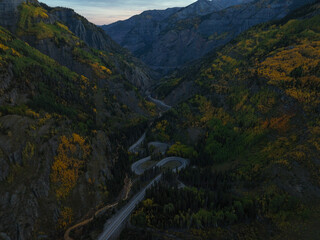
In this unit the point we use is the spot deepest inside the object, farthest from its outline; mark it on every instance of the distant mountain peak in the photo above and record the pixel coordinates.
(203, 7)
(188, 33)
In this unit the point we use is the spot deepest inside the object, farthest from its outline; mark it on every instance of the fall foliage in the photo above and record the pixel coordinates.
(71, 156)
(66, 217)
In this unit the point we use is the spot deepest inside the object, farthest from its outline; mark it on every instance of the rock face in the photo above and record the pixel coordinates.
(181, 35)
(9, 13)
(85, 30)
(93, 36)
(30, 198)
(139, 74)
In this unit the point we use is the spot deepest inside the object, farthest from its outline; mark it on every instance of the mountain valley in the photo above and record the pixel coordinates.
(206, 117)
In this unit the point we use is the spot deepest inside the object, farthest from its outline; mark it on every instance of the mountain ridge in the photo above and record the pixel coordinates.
(174, 41)
(67, 113)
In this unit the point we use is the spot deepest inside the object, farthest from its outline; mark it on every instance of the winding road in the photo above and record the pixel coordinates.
(136, 167)
(114, 224)
(137, 144)
(159, 103)
(116, 221)
(184, 162)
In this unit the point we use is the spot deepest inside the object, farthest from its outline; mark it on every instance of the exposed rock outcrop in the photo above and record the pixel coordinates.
(138, 74)
(9, 12)
(88, 32)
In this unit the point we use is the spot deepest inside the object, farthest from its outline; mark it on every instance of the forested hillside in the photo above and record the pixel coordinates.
(247, 116)
(68, 111)
(166, 40)
(251, 131)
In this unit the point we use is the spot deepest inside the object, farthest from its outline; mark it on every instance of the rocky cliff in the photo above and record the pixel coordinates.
(191, 32)
(94, 37)
(139, 74)
(9, 12)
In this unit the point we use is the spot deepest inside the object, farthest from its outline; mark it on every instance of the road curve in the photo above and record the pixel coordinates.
(159, 103)
(184, 162)
(142, 138)
(115, 222)
(135, 167)
(137, 144)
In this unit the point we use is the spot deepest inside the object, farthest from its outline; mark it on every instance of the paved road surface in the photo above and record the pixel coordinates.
(116, 221)
(137, 144)
(127, 188)
(183, 162)
(159, 103)
(136, 167)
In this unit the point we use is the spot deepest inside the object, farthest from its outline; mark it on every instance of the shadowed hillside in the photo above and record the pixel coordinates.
(168, 39)
(251, 130)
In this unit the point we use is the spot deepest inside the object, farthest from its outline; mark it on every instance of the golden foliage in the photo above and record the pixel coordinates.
(9, 50)
(3, 47)
(72, 153)
(281, 124)
(66, 217)
(151, 108)
(206, 109)
(148, 202)
(161, 130)
(34, 11)
(100, 70)
(43, 120)
(32, 114)
(64, 27)
(286, 69)
(179, 149)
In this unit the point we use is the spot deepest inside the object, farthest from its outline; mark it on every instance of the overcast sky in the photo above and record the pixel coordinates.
(108, 11)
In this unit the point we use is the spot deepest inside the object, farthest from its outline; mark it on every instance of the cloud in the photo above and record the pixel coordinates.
(108, 11)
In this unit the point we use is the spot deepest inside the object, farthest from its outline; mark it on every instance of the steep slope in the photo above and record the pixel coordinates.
(134, 70)
(66, 119)
(191, 32)
(86, 31)
(252, 134)
(44, 31)
(9, 14)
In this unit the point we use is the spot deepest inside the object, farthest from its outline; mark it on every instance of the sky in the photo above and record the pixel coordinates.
(107, 11)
